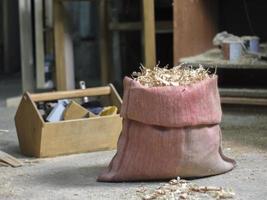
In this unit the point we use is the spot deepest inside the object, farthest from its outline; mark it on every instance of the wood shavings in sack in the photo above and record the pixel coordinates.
(180, 75)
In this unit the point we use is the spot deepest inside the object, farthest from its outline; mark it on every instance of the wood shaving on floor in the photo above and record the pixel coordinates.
(178, 189)
(9, 160)
(4, 131)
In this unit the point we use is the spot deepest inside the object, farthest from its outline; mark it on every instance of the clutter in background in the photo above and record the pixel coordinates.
(234, 47)
(251, 43)
(67, 122)
(169, 131)
(67, 109)
(73, 109)
(48, 66)
(182, 189)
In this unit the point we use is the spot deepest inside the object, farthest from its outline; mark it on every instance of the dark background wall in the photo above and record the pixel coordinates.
(240, 17)
(9, 37)
(131, 42)
(244, 17)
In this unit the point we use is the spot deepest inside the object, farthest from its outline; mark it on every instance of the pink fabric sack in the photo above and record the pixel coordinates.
(169, 131)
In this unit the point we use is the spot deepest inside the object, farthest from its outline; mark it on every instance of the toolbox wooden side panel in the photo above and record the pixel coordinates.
(83, 135)
(115, 97)
(29, 127)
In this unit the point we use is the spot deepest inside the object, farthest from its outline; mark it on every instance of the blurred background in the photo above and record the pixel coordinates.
(54, 44)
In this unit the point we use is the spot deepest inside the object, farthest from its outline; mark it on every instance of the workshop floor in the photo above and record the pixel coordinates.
(74, 176)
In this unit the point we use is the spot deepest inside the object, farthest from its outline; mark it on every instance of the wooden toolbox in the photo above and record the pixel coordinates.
(46, 139)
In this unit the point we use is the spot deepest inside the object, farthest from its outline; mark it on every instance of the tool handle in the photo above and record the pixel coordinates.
(49, 96)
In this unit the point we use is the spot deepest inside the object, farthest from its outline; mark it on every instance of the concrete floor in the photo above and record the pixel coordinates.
(74, 176)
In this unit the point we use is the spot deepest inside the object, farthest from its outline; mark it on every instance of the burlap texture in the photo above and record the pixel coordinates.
(168, 132)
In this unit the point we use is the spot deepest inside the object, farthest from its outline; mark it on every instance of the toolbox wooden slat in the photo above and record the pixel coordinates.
(46, 139)
(72, 94)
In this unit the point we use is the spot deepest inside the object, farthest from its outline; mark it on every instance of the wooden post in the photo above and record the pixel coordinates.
(59, 45)
(39, 43)
(26, 49)
(115, 47)
(1, 36)
(6, 36)
(195, 24)
(49, 38)
(149, 40)
(103, 40)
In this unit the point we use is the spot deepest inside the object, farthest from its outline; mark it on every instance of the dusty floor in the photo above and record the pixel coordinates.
(74, 177)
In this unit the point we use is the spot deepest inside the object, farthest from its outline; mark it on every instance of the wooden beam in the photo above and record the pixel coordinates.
(103, 40)
(39, 43)
(59, 45)
(26, 48)
(195, 24)
(49, 38)
(161, 26)
(149, 38)
(5, 36)
(243, 92)
(78, 0)
(116, 72)
(50, 96)
(48, 5)
(244, 101)
(1, 30)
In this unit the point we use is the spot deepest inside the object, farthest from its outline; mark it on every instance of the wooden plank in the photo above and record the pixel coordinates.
(115, 42)
(78, 0)
(1, 37)
(48, 5)
(59, 41)
(164, 26)
(3, 164)
(75, 111)
(9, 160)
(1, 25)
(161, 26)
(195, 25)
(224, 66)
(69, 55)
(26, 48)
(49, 40)
(103, 41)
(214, 58)
(149, 38)
(5, 37)
(97, 91)
(243, 92)
(39, 43)
(244, 101)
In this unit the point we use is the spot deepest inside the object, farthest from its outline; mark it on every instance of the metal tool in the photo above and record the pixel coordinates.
(83, 86)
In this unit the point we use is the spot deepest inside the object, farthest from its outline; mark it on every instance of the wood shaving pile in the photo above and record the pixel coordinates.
(178, 189)
(177, 76)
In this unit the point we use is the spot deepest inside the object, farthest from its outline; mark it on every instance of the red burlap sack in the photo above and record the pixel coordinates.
(168, 132)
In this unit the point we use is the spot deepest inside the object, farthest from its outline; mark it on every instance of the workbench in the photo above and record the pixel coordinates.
(213, 58)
